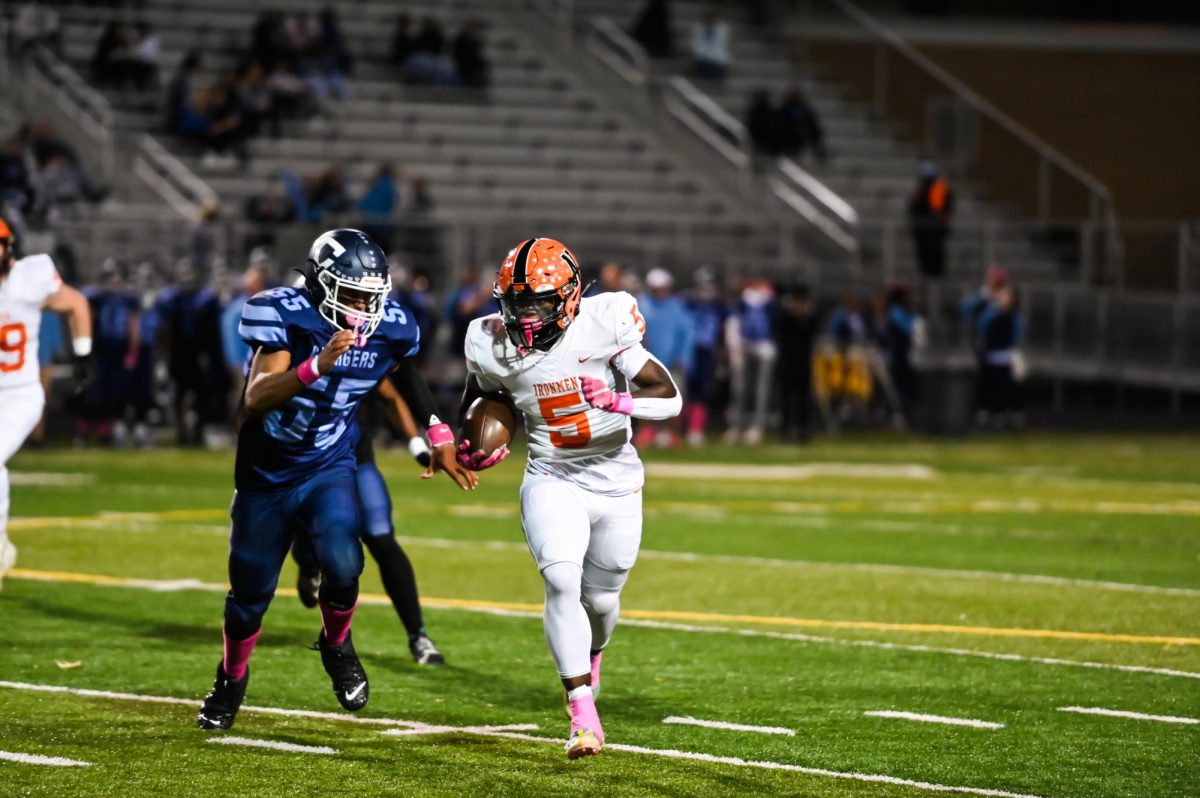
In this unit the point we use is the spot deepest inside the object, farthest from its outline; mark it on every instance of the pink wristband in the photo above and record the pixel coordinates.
(440, 434)
(307, 371)
(624, 403)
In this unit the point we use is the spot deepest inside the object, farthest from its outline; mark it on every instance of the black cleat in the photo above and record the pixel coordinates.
(346, 672)
(424, 652)
(307, 586)
(222, 703)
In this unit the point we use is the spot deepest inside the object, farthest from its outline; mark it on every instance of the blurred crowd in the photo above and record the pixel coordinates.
(752, 358)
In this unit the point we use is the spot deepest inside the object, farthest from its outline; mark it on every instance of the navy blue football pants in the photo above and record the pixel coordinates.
(324, 510)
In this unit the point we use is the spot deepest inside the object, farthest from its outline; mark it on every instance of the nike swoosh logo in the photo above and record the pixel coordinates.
(353, 694)
(587, 357)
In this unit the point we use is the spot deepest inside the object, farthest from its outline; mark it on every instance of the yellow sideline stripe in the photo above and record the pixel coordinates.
(655, 615)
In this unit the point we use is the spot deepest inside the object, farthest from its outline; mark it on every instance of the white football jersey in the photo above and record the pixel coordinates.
(567, 436)
(29, 283)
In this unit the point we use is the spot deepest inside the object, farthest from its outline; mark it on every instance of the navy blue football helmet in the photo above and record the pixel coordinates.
(344, 264)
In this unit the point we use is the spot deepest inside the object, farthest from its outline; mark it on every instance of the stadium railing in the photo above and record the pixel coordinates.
(618, 51)
(171, 179)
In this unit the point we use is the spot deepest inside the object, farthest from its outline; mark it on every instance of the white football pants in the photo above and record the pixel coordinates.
(20, 411)
(584, 545)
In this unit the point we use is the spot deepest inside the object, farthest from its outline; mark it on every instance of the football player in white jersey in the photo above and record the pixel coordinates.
(577, 370)
(27, 286)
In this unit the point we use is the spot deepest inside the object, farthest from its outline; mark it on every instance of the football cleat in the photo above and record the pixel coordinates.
(307, 586)
(345, 672)
(223, 701)
(581, 743)
(424, 652)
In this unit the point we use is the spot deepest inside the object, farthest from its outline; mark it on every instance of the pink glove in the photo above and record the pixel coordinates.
(479, 460)
(600, 396)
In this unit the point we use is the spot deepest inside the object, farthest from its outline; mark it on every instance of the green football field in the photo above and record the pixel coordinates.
(877, 617)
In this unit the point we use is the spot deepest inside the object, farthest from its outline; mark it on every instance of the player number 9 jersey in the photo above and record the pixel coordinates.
(29, 283)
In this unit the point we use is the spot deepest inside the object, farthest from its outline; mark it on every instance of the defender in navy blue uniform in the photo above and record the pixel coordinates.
(317, 353)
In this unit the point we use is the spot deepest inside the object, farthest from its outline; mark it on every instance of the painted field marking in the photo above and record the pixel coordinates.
(273, 745)
(136, 522)
(745, 471)
(687, 720)
(461, 729)
(684, 615)
(50, 478)
(1117, 713)
(518, 610)
(38, 759)
(920, 718)
(500, 731)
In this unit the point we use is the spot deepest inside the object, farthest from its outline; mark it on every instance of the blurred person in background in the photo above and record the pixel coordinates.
(63, 176)
(470, 62)
(903, 332)
(116, 342)
(708, 312)
(974, 304)
(180, 91)
(236, 351)
(710, 47)
(842, 386)
(413, 293)
(610, 278)
(17, 191)
(34, 25)
(190, 332)
(800, 127)
(763, 125)
(378, 207)
(402, 41)
(652, 29)
(50, 348)
(795, 336)
(428, 63)
(750, 333)
(998, 330)
(930, 216)
(469, 301)
(667, 326)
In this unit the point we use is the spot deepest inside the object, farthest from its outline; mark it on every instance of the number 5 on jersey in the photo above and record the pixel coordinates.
(559, 415)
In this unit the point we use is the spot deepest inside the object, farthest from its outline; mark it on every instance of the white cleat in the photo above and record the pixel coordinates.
(8, 558)
(581, 743)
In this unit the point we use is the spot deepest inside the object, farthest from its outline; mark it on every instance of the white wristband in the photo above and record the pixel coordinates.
(417, 446)
(82, 345)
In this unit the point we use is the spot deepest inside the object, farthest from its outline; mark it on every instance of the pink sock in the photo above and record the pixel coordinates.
(237, 654)
(335, 624)
(697, 417)
(585, 716)
(596, 672)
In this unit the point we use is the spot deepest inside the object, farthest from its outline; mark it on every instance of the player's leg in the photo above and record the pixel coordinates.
(395, 570)
(557, 529)
(21, 409)
(329, 510)
(612, 551)
(258, 543)
(308, 582)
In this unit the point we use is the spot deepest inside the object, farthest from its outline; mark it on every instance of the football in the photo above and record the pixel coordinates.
(488, 424)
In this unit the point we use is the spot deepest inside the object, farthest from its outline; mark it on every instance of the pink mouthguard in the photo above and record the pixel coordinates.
(528, 328)
(355, 321)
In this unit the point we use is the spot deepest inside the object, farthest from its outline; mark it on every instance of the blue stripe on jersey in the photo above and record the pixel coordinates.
(260, 313)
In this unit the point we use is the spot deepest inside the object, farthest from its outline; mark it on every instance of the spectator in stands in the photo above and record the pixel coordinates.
(710, 47)
(34, 25)
(328, 61)
(413, 293)
(763, 124)
(470, 300)
(16, 179)
(752, 353)
(428, 63)
(291, 96)
(106, 65)
(469, 61)
(795, 336)
(708, 312)
(255, 101)
(378, 207)
(668, 331)
(611, 277)
(212, 119)
(180, 91)
(61, 174)
(930, 215)
(202, 240)
(115, 346)
(800, 127)
(403, 41)
(317, 195)
(300, 40)
(420, 201)
(903, 332)
(652, 30)
(998, 337)
(973, 305)
(268, 38)
(142, 60)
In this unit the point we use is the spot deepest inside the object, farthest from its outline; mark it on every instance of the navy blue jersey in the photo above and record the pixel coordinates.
(316, 428)
(112, 312)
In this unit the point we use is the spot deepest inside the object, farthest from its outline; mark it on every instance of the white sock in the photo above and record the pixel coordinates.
(582, 691)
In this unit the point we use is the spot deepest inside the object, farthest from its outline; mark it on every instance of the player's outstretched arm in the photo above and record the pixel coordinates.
(273, 381)
(401, 420)
(415, 391)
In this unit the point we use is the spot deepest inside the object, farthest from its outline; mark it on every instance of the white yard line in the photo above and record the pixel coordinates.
(367, 599)
(1117, 713)
(920, 718)
(460, 729)
(273, 745)
(746, 471)
(720, 724)
(38, 759)
(50, 478)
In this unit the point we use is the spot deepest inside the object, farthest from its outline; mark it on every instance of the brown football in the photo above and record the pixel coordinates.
(488, 424)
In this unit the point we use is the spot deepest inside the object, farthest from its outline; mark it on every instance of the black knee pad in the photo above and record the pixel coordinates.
(244, 618)
(339, 597)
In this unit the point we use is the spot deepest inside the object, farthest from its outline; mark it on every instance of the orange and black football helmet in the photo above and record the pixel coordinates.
(539, 288)
(9, 239)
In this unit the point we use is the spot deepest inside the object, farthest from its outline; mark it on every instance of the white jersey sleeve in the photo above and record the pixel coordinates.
(482, 335)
